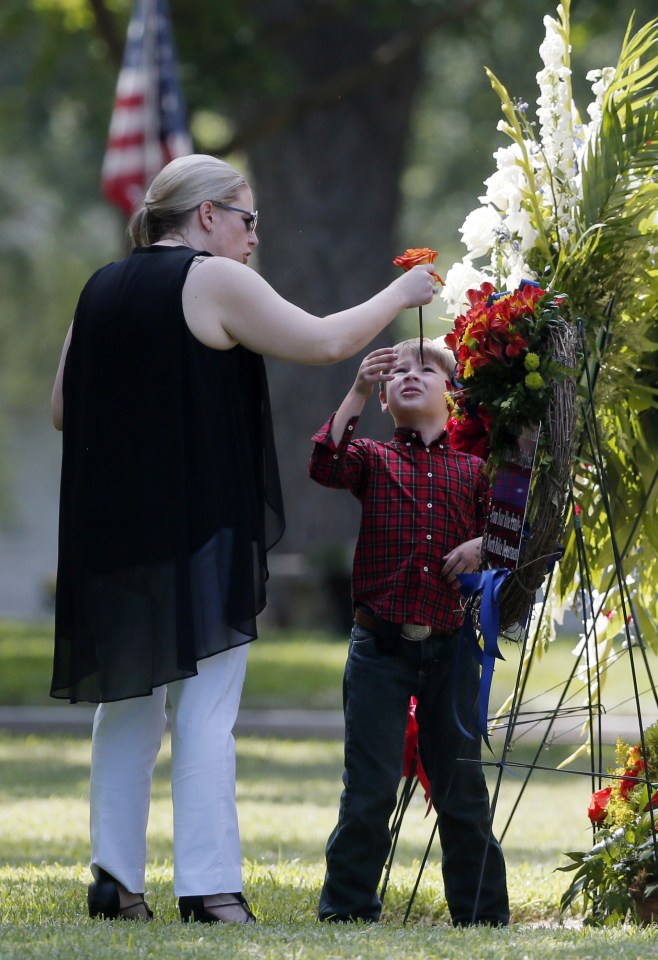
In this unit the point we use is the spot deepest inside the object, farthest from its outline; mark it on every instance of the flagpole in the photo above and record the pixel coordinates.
(153, 158)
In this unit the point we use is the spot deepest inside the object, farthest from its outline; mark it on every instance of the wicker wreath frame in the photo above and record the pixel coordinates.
(547, 503)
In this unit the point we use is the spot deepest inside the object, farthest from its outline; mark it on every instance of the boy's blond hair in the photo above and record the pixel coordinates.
(434, 350)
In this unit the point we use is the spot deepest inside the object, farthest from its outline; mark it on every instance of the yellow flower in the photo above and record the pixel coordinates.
(634, 755)
(468, 369)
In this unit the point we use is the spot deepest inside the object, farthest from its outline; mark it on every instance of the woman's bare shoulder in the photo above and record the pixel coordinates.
(214, 289)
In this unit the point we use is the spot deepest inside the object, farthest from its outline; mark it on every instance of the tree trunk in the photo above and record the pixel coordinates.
(327, 188)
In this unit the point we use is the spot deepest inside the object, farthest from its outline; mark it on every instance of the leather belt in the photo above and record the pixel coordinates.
(408, 631)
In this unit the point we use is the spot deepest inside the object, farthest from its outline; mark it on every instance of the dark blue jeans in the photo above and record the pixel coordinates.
(376, 691)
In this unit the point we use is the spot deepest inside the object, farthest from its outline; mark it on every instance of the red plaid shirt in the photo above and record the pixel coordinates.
(418, 503)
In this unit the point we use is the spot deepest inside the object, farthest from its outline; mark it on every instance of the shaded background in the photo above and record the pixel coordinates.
(365, 126)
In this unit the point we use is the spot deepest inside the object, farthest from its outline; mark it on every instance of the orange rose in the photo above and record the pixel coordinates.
(415, 255)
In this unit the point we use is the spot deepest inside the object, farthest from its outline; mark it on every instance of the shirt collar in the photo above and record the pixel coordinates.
(406, 435)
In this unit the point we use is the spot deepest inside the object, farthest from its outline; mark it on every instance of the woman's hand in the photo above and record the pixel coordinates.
(417, 285)
(463, 559)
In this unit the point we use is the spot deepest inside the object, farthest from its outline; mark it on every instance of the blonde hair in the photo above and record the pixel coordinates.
(177, 190)
(434, 350)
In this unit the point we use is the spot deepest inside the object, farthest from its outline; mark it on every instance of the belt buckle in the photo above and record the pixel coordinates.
(415, 631)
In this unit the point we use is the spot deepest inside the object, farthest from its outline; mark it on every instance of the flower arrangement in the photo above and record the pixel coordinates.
(505, 368)
(573, 205)
(565, 192)
(627, 797)
(516, 360)
(618, 877)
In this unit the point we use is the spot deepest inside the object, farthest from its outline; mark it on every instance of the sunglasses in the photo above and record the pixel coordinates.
(251, 215)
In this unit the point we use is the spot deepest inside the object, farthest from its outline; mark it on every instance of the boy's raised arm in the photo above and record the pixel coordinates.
(374, 369)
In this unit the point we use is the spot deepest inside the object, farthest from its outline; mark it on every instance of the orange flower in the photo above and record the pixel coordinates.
(415, 255)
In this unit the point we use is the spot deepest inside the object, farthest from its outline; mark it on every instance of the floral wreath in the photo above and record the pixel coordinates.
(505, 368)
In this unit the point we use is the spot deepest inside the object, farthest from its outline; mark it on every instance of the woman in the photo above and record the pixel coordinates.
(169, 501)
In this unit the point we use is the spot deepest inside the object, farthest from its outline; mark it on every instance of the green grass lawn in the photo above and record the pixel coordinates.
(302, 669)
(287, 795)
(285, 669)
(287, 798)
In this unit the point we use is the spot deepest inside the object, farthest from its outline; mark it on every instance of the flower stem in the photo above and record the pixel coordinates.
(420, 324)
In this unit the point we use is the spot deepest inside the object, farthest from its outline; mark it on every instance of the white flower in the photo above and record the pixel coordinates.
(514, 270)
(600, 80)
(505, 187)
(479, 230)
(558, 119)
(461, 277)
(519, 223)
(551, 50)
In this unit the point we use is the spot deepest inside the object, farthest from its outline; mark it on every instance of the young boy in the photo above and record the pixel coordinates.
(423, 511)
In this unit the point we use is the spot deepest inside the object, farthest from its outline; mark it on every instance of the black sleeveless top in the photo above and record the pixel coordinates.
(170, 492)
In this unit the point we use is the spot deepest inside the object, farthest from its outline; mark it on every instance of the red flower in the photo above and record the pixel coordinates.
(482, 295)
(411, 752)
(598, 805)
(470, 434)
(516, 345)
(630, 779)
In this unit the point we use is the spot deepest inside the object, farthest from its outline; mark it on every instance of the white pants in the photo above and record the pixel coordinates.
(126, 739)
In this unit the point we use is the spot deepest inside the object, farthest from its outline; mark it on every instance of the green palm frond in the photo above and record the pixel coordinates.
(633, 78)
(623, 158)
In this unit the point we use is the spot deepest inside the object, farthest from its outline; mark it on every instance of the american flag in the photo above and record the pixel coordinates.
(148, 126)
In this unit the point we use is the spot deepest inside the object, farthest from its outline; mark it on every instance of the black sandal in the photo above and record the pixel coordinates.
(103, 901)
(194, 908)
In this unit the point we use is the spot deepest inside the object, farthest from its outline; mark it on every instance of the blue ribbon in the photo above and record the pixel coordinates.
(487, 583)
(491, 299)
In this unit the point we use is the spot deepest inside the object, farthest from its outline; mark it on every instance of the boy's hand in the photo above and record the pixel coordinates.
(375, 368)
(463, 559)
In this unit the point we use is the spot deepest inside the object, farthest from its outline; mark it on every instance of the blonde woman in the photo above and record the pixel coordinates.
(170, 499)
